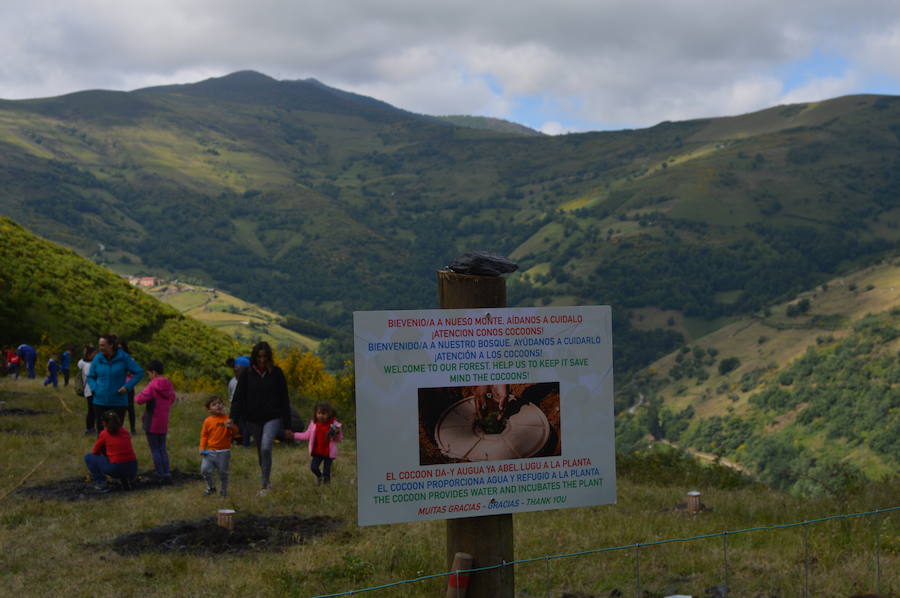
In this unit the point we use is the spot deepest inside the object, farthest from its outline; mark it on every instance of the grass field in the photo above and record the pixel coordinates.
(53, 548)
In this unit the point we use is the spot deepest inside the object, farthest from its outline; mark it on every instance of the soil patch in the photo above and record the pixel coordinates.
(19, 432)
(79, 488)
(250, 533)
(20, 411)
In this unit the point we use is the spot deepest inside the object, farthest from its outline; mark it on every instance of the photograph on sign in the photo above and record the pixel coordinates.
(488, 423)
(468, 412)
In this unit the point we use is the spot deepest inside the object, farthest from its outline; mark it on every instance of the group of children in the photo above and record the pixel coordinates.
(113, 454)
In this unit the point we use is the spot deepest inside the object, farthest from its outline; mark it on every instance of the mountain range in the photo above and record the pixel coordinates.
(316, 202)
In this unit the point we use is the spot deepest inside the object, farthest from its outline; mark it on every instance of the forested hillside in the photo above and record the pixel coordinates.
(803, 393)
(316, 202)
(52, 296)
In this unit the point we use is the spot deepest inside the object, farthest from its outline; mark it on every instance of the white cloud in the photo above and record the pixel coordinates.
(880, 51)
(438, 93)
(822, 88)
(554, 128)
(613, 63)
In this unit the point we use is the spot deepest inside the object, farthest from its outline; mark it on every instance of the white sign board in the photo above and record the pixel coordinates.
(464, 412)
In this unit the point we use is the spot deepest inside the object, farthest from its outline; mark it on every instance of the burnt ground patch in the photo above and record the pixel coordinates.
(79, 488)
(204, 537)
(20, 411)
(19, 432)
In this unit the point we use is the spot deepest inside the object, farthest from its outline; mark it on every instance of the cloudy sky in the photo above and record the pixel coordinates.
(555, 65)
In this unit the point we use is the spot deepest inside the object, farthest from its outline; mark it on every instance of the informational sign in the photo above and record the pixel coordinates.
(465, 412)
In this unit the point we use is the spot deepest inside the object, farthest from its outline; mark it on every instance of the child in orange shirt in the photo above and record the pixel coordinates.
(215, 445)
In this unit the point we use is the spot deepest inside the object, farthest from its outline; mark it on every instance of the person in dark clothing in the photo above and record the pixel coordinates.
(131, 416)
(261, 397)
(64, 362)
(29, 357)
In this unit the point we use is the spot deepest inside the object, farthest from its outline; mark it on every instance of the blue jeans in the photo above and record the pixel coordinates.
(159, 453)
(268, 432)
(100, 467)
(212, 462)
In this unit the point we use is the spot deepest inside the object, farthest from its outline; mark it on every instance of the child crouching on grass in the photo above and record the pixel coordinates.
(323, 434)
(215, 446)
(112, 455)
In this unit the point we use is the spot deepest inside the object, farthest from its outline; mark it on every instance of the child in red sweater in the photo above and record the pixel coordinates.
(323, 434)
(215, 445)
(112, 454)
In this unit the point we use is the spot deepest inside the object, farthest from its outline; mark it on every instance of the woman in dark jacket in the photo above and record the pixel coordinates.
(261, 397)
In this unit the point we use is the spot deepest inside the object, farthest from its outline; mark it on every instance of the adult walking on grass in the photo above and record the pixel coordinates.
(107, 378)
(261, 397)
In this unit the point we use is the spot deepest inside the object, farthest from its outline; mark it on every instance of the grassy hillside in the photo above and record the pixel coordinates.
(52, 296)
(78, 536)
(245, 322)
(802, 393)
(318, 202)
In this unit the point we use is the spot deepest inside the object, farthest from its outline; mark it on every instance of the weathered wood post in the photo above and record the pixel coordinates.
(489, 539)
(693, 501)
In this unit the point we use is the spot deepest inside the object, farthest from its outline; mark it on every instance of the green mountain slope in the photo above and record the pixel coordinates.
(802, 393)
(317, 202)
(52, 295)
(497, 125)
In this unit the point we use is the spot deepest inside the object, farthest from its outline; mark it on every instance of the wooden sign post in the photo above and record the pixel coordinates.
(488, 539)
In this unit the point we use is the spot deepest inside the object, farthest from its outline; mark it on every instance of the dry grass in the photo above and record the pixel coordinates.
(63, 548)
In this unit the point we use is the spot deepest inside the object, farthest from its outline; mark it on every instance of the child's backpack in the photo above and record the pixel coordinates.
(79, 383)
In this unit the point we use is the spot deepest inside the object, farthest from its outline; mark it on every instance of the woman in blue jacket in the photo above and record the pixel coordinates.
(109, 369)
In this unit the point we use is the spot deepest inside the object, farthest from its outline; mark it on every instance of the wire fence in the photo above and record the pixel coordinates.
(726, 565)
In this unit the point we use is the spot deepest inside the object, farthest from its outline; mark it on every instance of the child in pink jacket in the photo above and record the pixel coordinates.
(323, 434)
(158, 395)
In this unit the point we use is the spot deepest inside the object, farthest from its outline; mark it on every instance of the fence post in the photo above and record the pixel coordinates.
(805, 559)
(637, 570)
(693, 501)
(458, 584)
(878, 554)
(488, 539)
(725, 558)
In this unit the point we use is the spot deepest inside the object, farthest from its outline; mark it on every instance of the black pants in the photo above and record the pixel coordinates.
(65, 374)
(325, 474)
(99, 410)
(248, 430)
(131, 418)
(90, 420)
